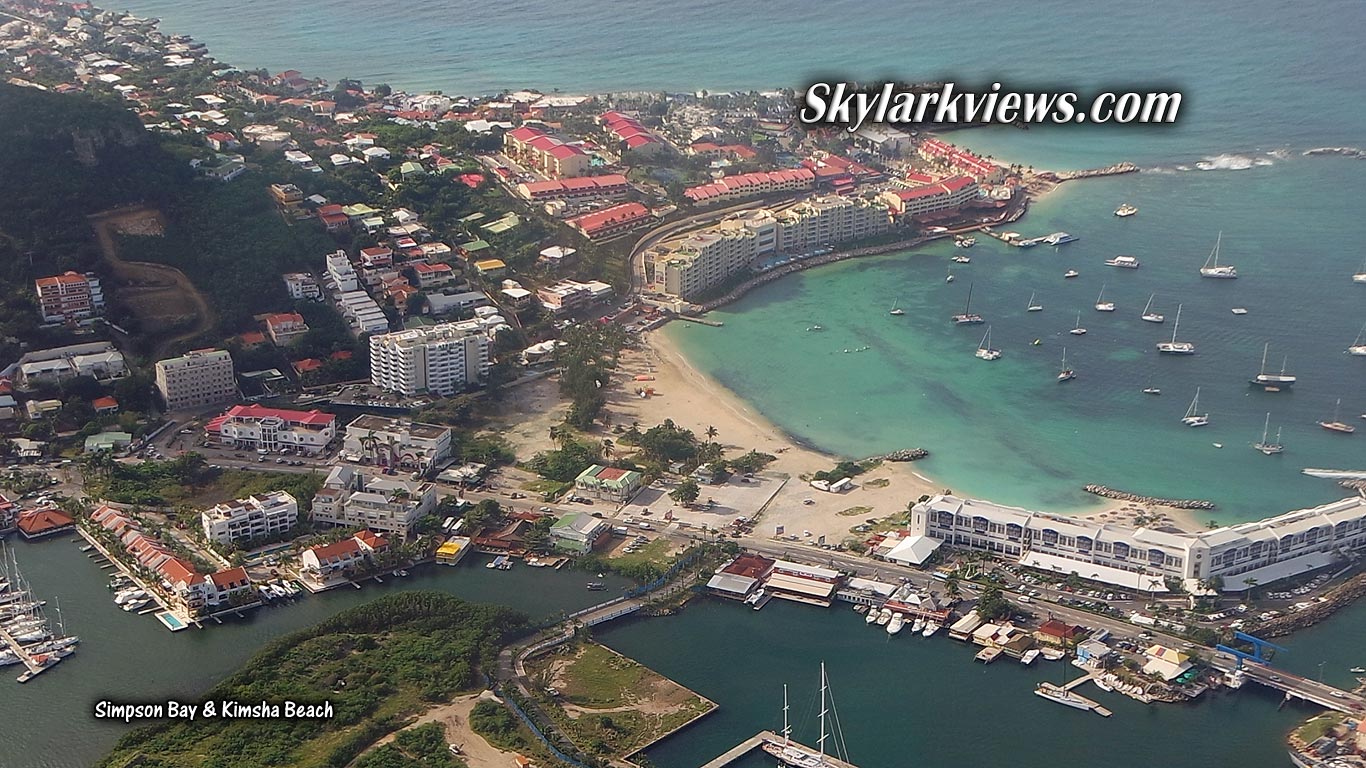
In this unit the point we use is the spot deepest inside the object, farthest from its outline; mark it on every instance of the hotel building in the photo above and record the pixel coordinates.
(69, 297)
(254, 517)
(442, 359)
(932, 198)
(351, 498)
(1242, 555)
(273, 429)
(197, 378)
(386, 442)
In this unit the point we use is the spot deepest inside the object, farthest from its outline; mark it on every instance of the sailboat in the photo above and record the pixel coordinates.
(792, 754)
(1078, 330)
(949, 279)
(1273, 382)
(1357, 347)
(967, 317)
(1175, 347)
(1213, 269)
(984, 350)
(1032, 306)
(1360, 277)
(1070, 273)
(1265, 447)
(1148, 315)
(1066, 374)
(1335, 425)
(1193, 418)
(1101, 304)
(896, 311)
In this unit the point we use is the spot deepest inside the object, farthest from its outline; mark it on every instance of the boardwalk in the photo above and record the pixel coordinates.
(757, 740)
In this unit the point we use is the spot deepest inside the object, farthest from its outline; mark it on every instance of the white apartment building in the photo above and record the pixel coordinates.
(302, 286)
(99, 360)
(569, 295)
(251, 518)
(364, 314)
(441, 359)
(386, 442)
(829, 219)
(257, 427)
(197, 378)
(342, 273)
(1243, 555)
(349, 497)
(706, 259)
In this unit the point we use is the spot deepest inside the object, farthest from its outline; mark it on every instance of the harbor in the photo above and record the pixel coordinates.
(28, 637)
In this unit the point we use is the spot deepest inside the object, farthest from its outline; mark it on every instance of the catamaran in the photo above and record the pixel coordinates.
(1272, 382)
(984, 350)
(1148, 315)
(1078, 330)
(1193, 418)
(967, 317)
(1269, 448)
(1032, 306)
(896, 311)
(794, 755)
(1357, 347)
(1175, 347)
(1066, 374)
(1101, 304)
(1335, 425)
(1212, 267)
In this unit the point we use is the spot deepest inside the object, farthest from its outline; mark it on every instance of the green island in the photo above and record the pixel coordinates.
(379, 664)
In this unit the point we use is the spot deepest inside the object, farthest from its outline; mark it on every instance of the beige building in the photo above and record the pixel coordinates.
(830, 219)
(197, 378)
(349, 497)
(441, 359)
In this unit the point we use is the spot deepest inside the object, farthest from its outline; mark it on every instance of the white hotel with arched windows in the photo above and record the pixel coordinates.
(1242, 555)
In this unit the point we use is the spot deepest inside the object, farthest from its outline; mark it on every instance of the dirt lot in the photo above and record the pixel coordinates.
(160, 296)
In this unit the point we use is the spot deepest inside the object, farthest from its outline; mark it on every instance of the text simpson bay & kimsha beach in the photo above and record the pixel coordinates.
(852, 106)
(213, 710)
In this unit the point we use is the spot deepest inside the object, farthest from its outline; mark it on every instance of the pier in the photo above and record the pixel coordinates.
(34, 667)
(758, 740)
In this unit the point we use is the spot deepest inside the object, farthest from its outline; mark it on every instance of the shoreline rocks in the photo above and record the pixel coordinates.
(1111, 493)
(905, 454)
(1337, 599)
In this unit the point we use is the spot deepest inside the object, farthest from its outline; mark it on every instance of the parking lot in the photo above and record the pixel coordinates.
(717, 506)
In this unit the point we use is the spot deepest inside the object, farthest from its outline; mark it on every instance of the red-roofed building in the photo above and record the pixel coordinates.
(631, 135)
(251, 339)
(371, 542)
(611, 187)
(69, 297)
(750, 565)
(230, 586)
(37, 523)
(255, 427)
(307, 365)
(325, 560)
(105, 405)
(471, 180)
(333, 218)
(610, 222)
(187, 585)
(285, 327)
(932, 198)
(1059, 633)
(545, 153)
(751, 185)
(962, 161)
(433, 275)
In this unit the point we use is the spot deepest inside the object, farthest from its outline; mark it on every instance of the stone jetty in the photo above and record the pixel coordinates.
(905, 454)
(1111, 493)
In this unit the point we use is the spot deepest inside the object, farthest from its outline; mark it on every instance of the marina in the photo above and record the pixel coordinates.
(27, 636)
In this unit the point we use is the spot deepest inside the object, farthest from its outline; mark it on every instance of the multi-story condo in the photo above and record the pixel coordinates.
(1241, 556)
(69, 297)
(545, 152)
(441, 359)
(961, 160)
(349, 497)
(342, 273)
(254, 517)
(569, 295)
(751, 185)
(706, 259)
(197, 378)
(932, 198)
(272, 429)
(302, 286)
(829, 219)
(387, 442)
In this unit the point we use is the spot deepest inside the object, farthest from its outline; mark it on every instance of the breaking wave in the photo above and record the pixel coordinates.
(1232, 163)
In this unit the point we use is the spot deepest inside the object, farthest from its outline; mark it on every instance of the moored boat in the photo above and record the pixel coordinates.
(1193, 417)
(1335, 425)
(1123, 262)
(1213, 269)
(1175, 347)
(967, 316)
(1148, 315)
(1125, 210)
(1272, 382)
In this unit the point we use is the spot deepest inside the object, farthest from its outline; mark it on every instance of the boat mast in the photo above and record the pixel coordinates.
(968, 304)
(1265, 347)
(1213, 259)
(1266, 427)
(1176, 324)
(820, 744)
(787, 729)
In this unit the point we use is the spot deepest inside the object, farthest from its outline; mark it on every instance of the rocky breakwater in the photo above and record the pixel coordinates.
(905, 454)
(1089, 173)
(1111, 493)
(1335, 600)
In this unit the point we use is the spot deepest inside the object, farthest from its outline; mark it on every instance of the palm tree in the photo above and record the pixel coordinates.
(607, 448)
(712, 433)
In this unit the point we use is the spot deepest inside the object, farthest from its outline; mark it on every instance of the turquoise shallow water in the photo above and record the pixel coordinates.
(1007, 430)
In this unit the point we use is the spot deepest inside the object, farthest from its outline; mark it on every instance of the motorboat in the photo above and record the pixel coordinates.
(1071, 273)
(1124, 211)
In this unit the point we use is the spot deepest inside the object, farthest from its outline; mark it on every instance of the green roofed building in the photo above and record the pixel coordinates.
(612, 483)
(577, 532)
(107, 441)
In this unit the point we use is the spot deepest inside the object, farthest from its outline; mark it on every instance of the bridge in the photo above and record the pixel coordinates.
(1292, 685)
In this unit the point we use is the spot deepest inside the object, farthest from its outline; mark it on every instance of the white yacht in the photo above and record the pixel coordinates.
(985, 351)
(1032, 306)
(967, 317)
(894, 626)
(1066, 374)
(1269, 448)
(962, 258)
(930, 628)
(1213, 268)
(896, 311)
(1358, 348)
(1175, 347)
(1125, 211)
(1101, 304)
(1272, 382)
(794, 755)
(1071, 273)
(1360, 277)
(1193, 417)
(1123, 262)
(1078, 330)
(884, 616)
(1150, 316)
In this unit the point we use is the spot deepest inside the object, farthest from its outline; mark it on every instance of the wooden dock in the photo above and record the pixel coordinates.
(756, 741)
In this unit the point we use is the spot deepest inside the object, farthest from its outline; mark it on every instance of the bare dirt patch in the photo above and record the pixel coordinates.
(164, 300)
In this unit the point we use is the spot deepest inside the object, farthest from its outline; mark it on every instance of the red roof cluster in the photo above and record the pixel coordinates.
(586, 186)
(946, 187)
(751, 184)
(628, 129)
(618, 215)
(539, 140)
(36, 522)
(735, 150)
(960, 159)
(253, 412)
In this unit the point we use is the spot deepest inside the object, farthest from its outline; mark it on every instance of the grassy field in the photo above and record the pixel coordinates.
(656, 552)
(1318, 727)
(612, 705)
